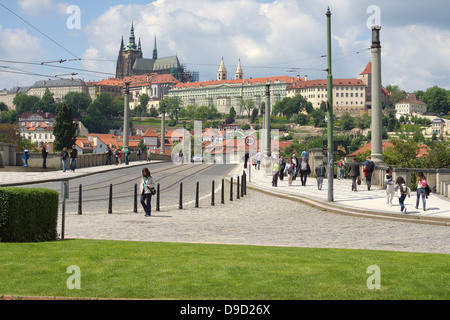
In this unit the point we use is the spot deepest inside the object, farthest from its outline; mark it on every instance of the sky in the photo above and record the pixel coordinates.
(270, 38)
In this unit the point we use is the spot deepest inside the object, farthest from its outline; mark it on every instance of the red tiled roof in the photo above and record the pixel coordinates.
(367, 69)
(244, 81)
(410, 99)
(150, 133)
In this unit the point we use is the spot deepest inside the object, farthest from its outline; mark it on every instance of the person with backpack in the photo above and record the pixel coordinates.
(369, 167)
(289, 170)
(341, 167)
(403, 191)
(421, 185)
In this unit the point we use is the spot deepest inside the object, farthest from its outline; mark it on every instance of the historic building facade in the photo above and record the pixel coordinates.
(224, 93)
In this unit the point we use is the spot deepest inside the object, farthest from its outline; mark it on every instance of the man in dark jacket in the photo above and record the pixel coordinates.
(73, 158)
(44, 157)
(353, 172)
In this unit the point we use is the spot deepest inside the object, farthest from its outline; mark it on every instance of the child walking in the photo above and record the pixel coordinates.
(403, 191)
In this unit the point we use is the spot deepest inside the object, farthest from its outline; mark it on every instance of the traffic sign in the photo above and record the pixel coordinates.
(250, 140)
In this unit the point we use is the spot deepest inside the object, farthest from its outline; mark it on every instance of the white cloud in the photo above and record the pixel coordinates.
(272, 37)
(17, 45)
(39, 7)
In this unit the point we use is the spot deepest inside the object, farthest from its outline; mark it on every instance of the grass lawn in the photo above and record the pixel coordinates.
(147, 270)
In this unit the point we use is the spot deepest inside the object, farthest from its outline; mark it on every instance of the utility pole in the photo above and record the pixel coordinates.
(330, 111)
(267, 147)
(163, 127)
(126, 116)
(377, 115)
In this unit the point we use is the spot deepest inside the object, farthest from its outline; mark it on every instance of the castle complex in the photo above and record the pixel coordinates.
(131, 62)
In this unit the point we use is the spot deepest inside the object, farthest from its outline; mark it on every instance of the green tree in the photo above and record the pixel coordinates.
(248, 105)
(79, 102)
(346, 122)
(172, 106)
(64, 129)
(46, 103)
(437, 100)
(24, 103)
(396, 94)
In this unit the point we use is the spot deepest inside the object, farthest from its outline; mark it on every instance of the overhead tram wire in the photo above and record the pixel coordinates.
(57, 67)
(59, 45)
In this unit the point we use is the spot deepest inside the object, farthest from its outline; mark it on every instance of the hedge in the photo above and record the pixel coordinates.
(28, 215)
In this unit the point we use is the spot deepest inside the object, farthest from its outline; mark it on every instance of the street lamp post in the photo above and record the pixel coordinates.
(126, 116)
(330, 111)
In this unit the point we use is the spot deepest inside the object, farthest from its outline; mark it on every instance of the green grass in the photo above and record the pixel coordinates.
(146, 270)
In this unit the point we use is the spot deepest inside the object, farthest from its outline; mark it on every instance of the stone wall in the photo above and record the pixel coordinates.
(7, 154)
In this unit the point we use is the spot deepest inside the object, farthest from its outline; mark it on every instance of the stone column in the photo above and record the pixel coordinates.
(377, 115)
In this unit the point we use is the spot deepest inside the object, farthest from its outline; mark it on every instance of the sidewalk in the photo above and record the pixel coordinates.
(361, 203)
(18, 178)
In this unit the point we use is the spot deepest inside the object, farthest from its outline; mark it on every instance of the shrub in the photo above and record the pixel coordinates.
(28, 215)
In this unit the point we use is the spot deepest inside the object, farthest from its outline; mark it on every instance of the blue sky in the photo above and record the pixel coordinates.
(271, 38)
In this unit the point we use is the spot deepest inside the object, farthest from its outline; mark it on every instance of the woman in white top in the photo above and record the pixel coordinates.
(421, 184)
(390, 186)
(145, 187)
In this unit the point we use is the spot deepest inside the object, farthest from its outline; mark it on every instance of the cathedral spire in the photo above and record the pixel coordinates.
(155, 50)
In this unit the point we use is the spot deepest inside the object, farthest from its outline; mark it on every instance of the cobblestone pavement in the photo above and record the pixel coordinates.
(259, 219)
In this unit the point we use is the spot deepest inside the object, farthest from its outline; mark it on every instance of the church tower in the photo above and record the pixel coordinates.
(128, 55)
(239, 75)
(222, 72)
(155, 51)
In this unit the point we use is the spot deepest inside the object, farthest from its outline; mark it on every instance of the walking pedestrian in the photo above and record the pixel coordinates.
(139, 153)
(369, 167)
(119, 152)
(26, 156)
(390, 186)
(341, 167)
(108, 153)
(258, 159)
(127, 154)
(44, 157)
(148, 155)
(421, 185)
(353, 172)
(146, 187)
(320, 174)
(116, 156)
(282, 163)
(304, 170)
(289, 171)
(295, 162)
(73, 158)
(275, 171)
(403, 191)
(64, 156)
(305, 154)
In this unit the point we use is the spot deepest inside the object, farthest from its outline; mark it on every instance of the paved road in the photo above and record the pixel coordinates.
(255, 219)
(260, 219)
